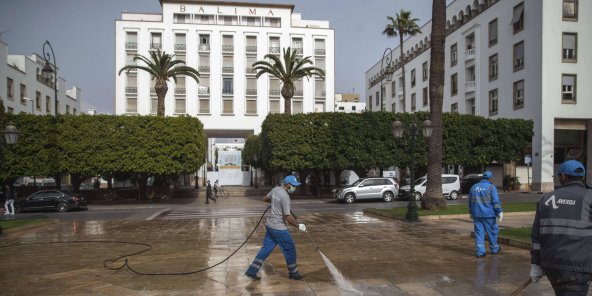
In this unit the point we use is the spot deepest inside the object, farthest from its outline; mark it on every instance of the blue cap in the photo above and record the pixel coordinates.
(487, 175)
(291, 179)
(572, 168)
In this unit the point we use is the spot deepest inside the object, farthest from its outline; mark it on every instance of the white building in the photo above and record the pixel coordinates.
(508, 59)
(24, 90)
(349, 103)
(222, 40)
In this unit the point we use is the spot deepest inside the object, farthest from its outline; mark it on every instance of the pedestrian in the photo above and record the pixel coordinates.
(486, 211)
(9, 203)
(561, 237)
(506, 183)
(216, 188)
(209, 193)
(277, 230)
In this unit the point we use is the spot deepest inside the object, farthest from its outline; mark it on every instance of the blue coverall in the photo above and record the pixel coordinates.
(484, 206)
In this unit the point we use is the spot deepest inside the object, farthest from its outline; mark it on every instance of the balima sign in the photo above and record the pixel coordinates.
(227, 10)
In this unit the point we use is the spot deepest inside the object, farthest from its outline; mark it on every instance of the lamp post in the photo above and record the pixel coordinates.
(255, 162)
(47, 72)
(413, 131)
(32, 106)
(11, 134)
(387, 59)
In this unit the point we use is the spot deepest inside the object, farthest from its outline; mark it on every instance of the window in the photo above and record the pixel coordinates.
(394, 107)
(297, 45)
(426, 97)
(320, 63)
(518, 94)
(23, 94)
(377, 99)
(180, 88)
(273, 22)
(413, 102)
(297, 107)
(319, 46)
(203, 89)
(10, 88)
(251, 105)
(204, 63)
(227, 64)
(228, 20)
(393, 88)
(156, 41)
(274, 45)
(181, 18)
(320, 91)
(518, 18)
(10, 110)
(413, 78)
(180, 105)
(274, 105)
(493, 102)
(251, 87)
(370, 100)
(47, 104)
(204, 105)
(454, 108)
(454, 84)
(74, 111)
(131, 105)
(319, 106)
(471, 106)
(493, 67)
(228, 106)
(227, 43)
(518, 56)
(453, 54)
(570, 44)
(131, 40)
(493, 33)
(227, 86)
(204, 42)
(153, 104)
(424, 71)
(568, 88)
(251, 21)
(67, 109)
(38, 100)
(251, 44)
(570, 10)
(180, 42)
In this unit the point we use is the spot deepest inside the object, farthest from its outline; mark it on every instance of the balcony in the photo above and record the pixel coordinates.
(227, 69)
(227, 48)
(251, 91)
(298, 50)
(250, 71)
(131, 45)
(180, 90)
(204, 47)
(180, 46)
(274, 92)
(274, 49)
(204, 69)
(320, 51)
(203, 90)
(155, 46)
(227, 92)
(251, 49)
(470, 86)
(131, 89)
(469, 54)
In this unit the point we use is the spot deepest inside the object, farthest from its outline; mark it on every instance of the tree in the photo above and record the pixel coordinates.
(162, 67)
(287, 71)
(434, 198)
(402, 24)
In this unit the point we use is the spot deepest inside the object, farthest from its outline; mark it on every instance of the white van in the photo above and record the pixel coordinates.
(450, 187)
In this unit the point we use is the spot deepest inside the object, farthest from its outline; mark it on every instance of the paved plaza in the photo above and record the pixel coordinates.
(377, 256)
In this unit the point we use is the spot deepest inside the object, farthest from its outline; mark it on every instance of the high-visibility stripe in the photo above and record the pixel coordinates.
(565, 223)
(536, 247)
(566, 231)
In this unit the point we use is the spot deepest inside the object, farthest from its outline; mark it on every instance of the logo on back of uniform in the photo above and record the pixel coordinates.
(560, 201)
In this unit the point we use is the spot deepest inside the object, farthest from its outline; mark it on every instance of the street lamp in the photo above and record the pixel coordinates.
(32, 107)
(426, 130)
(255, 162)
(386, 73)
(11, 134)
(47, 72)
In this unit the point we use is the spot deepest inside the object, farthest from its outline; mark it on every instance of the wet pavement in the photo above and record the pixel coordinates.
(378, 256)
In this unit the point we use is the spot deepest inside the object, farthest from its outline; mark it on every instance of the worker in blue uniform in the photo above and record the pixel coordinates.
(486, 211)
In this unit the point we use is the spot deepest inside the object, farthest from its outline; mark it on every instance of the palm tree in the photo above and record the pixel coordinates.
(161, 67)
(433, 199)
(402, 24)
(287, 71)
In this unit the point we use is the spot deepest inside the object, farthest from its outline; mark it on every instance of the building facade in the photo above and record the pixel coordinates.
(24, 90)
(507, 59)
(222, 40)
(349, 103)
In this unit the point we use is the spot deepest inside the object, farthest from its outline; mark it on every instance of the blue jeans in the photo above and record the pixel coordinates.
(273, 238)
(489, 226)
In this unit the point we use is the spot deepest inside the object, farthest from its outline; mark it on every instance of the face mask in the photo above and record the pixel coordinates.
(292, 189)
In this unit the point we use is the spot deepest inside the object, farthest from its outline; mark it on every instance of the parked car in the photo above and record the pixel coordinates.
(450, 187)
(60, 200)
(468, 181)
(368, 188)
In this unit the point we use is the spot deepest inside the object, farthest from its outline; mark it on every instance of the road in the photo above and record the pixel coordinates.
(230, 208)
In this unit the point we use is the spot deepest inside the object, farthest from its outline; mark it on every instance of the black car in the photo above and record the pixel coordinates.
(60, 200)
(468, 181)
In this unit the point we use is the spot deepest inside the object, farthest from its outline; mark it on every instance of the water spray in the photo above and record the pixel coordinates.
(313, 242)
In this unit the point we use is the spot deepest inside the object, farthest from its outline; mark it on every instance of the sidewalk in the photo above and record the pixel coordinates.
(376, 256)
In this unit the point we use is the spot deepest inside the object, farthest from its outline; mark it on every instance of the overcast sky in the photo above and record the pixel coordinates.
(82, 34)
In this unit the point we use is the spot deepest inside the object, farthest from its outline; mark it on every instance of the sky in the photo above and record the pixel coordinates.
(82, 34)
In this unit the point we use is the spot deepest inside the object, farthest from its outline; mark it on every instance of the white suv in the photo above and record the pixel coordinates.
(450, 187)
(385, 188)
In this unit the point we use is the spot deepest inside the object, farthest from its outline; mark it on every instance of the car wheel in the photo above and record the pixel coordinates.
(417, 195)
(350, 198)
(453, 195)
(62, 207)
(387, 196)
(17, 209)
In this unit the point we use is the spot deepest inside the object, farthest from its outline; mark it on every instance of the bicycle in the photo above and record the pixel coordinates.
(223, 193)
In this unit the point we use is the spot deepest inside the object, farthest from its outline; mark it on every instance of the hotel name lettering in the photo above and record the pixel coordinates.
(229, 10)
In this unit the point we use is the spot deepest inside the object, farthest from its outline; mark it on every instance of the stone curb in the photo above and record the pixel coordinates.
(510, 241)
(18, 229)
